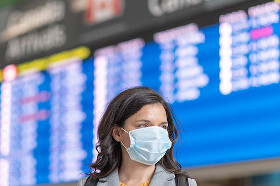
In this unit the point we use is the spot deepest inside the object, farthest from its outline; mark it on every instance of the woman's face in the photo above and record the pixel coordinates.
(148, 115)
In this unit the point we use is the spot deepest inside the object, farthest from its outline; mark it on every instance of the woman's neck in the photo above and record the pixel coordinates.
(132, 172)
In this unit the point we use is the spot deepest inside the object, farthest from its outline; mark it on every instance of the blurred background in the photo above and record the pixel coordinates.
(215, 61)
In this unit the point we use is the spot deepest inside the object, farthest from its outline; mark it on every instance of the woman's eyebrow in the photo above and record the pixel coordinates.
(143, 120)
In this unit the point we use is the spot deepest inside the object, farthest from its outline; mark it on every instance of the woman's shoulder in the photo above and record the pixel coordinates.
(192, 182)
(181, 179)
(82, 181)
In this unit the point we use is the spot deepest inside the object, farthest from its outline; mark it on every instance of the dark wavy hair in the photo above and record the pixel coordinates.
(120, 108)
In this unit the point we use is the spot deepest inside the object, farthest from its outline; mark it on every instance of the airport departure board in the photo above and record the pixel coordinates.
(222, 81)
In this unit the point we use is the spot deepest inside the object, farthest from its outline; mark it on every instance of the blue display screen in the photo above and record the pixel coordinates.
(222, 82)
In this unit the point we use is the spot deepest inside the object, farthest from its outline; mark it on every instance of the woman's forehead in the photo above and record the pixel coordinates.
(150, 112)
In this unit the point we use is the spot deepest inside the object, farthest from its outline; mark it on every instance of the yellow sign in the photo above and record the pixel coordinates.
(43, 63)
(1, 75)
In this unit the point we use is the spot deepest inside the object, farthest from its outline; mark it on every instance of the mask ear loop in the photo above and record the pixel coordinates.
(124, 130)
(121, 141)
(123, 145)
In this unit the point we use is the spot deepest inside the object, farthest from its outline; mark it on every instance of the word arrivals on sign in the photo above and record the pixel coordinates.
(36, 42)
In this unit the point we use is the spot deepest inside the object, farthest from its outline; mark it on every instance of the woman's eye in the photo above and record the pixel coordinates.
(143, 125)
(165, 127)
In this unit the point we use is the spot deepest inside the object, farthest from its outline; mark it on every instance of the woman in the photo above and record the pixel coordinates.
(136, 138)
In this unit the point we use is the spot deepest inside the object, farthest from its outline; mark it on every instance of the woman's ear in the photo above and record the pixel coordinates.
(116, 133)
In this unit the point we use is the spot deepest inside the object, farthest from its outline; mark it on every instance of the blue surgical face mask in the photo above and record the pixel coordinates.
(148, 145)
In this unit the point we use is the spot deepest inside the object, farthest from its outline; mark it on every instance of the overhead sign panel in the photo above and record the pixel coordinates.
(41, 27)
